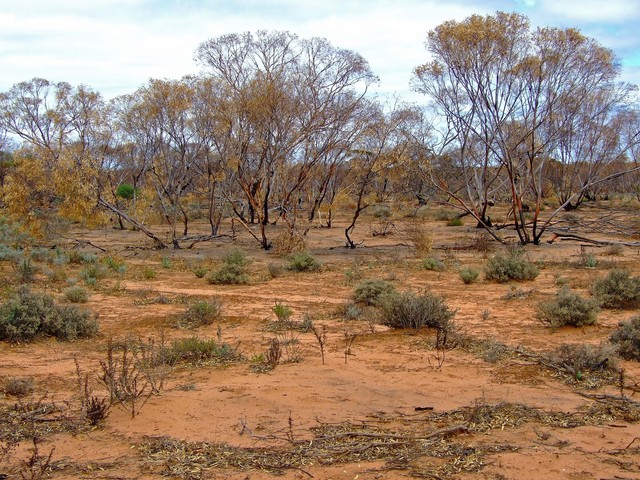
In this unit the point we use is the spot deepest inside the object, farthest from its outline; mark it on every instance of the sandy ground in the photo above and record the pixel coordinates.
(506, 419)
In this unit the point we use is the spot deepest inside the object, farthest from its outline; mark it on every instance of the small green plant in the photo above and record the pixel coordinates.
(236, 257)
(468, 275)
(512, 266)
(200, 351)
(381, 211)
(282, 311)
(83, 258)
(434, 264)
(588, 261)
(91, 272)
(516, 293)
(77, 294)
(148, 272)
(351, 311)
(200, 271)
(455, 222)
(626, 338)
(618, 290)
(25, 269)
(373, 292)
(201, 313)
(614, 250)
(28, 315)
(166, 262)
(568, 308)
(587, 362)
(409, 310)
(229, 274)
(303, 262)
(116, 264)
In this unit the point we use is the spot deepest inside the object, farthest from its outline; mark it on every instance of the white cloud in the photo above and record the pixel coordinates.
(594, 11)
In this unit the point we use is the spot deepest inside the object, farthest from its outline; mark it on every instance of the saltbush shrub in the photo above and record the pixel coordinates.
(468, 275)
(587, 362)
(434, 264)
(233, 270)
(197, 350)
(373, 292)
(618, 290)
(200, 313)
(512, 266)
(568, 308)
(627, 339)
(28, 315)
(76, 294)
(303, 262)
(409, 310)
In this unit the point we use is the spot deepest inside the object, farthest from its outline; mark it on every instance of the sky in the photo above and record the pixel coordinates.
(116, 46)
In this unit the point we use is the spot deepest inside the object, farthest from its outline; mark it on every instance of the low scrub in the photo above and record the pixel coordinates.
(618, 290)
(568, 308)
(627, 339)
(593, 363)
(373, 292)
(512, 266)
(198, 351)
(434, 264)
(77, 294)
(469, 275)
(201, 313)
(303, 262)
(233, 270)
(29, 315)
(409, 310)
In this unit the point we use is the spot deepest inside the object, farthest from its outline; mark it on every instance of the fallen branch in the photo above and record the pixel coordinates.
(578, 238)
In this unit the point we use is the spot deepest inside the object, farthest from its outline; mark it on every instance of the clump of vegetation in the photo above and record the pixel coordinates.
(275, 269)
(417, 235)
(282, 311)
(350, 311)
(201, 313)
(373, 292)
(408, 310)
(233, 270)
(618, 290)
(81, 258)
(303, 262)
(586, 362)
(77, 294)
(512, 266)
(468, 274)
(29, 315)
(200, 271)
(288, 242)
(381, 211)
(516, 293)
(116, 264)
(614, 250)
(198, 351)
(626, 338)
(455, 222)
(166, 262)
(148, 272)
(19, 387)
(91, 272)
(25, 269)
(568, 308)
(434, 264)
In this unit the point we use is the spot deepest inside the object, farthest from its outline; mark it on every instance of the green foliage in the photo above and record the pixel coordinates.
(148, 273)
(83, 258)
(200, 271)
(236, 257)
(587, 362)
(468, 275)
(25, 270)
(512, 266)
(76, 294)
(115, 264)
(126, 191)
(626, 338)
(91, 272)
(166, 262)
(455, 222)
(303, 262)
(408, 310)
(9, 254)
(201, 313)
(434, 264)
(229, 274)
(275, 269)
(618, 290)
(373, 292)
(381, 211)
(568, 308)
(28, 315)
(199, 351)
(351, 311)
(282, 311)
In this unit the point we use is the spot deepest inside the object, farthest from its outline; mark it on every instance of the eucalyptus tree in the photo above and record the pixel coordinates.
(284, 102)
(508, 98)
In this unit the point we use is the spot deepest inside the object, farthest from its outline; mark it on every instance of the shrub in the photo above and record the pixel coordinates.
(25, 269)
(408, 310)
(78, 257)
(201, 313)
(455, 222)
(468, 274)
(288, 241)
(282, 311)
(196, 350)
(200, 271)
(433, 263)
(91, 272)
(229, 274)
(303, 262)
(148, 273)
(373, 292)
(9, 254)
(417, 235)
(614, 250)
(28, 315)
(76, 294)
(275, 269)
(586, 360)
(512, 266)
(627, 339)
(116, 264)
(236, 257)
(166, 262)
(618, 290)
(381, 211)
(568, 308)
(19, 387)
(351, 311)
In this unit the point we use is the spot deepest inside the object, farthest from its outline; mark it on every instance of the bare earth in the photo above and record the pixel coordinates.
(393, 408)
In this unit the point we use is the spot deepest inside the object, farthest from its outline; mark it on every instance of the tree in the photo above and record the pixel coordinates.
(508, 98)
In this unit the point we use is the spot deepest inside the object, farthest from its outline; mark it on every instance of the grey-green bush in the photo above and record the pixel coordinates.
(432, 263)
(618, 290)
(201, 313)
(76, 294)
(408, 310)
(568, 308)
(512, 266)
(627, 339)
(373, 292)
(28, 315)
(468, 275)
(303, 262)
